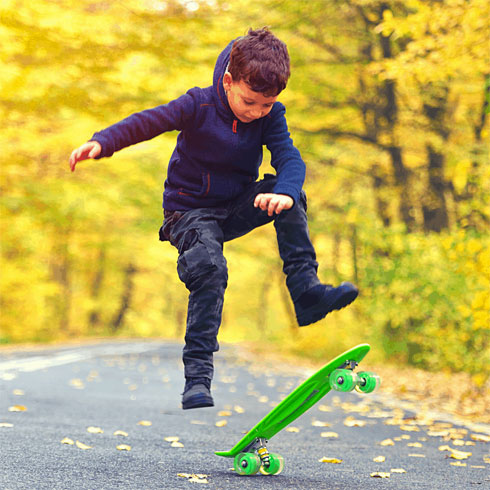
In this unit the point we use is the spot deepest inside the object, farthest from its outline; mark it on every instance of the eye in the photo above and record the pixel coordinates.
(247, 102)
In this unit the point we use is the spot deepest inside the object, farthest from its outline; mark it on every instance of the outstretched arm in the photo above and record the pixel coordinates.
(273, 203)
(91, 149)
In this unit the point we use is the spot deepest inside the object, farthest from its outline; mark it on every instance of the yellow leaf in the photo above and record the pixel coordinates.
(176, 444)
(416, 455)
(458, 463)
(292, 429)
(324, 408)
(17, 408)
(77, 383)
(414, 444)
(172, 438)
(379, 459)
(380, 474)
(95, 430)
(387, 442)
(330, 460)
(409, 428)
(330, 435)
(319, 423)
(18, 392)
(352, 422)
(144, 423)
(397, 470)
(120, 433)
(123, 447)
(68, 441)
(238, 409)
(225, 413)
(81, 445)
(221, 423)
(455, 454)
(480, 438)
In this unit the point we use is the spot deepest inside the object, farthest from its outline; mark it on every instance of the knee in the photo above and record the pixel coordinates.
(198, 266)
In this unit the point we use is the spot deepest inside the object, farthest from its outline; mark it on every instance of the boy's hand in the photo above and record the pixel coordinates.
(273, 203)
(91, 149)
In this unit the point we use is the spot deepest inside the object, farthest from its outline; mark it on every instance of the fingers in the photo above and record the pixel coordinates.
(91, 149)
(273, 203)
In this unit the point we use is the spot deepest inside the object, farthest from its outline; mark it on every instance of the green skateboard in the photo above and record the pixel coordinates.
(251, 454)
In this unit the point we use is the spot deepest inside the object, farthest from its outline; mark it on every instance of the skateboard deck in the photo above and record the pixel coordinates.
(250, 452)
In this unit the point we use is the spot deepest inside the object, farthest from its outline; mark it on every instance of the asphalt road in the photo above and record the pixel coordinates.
(56, 394)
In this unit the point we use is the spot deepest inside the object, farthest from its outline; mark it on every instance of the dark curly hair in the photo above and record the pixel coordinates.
(262, 61)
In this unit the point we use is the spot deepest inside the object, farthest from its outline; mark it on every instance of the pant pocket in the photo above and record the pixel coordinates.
(194, 264)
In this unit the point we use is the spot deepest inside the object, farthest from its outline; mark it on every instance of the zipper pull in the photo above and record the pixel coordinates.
(235, 124)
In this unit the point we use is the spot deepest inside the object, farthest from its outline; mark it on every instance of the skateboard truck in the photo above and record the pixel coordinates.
(259, 446)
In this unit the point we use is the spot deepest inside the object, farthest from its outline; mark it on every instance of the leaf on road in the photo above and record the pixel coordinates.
(120, 433)
(194, 478)
(81, 445)
(414, 444)
(176, 444)
(6, 425)
(145, 423)
(263, 399)
(457, 463)
(455, 454)
(486, 458)
(123, 447)
(225, 413)
(409, 428)
(221, 423)
(18, 408)
(416, 455)
(329, 435)
(238, 409)
(95, 430)
(387, 442)
(171, 438)
(198, 422)
(292, 429)
(352, 422)
(379, 459)
(380, 474)
(480, 438)
(330, 460)
(324, 408)
(68, 441)
(319, 423)
(18, 392)
(77, 383)
(397, 470)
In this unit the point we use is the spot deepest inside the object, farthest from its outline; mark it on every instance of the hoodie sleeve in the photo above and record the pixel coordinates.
(145, 125)
(285, 157)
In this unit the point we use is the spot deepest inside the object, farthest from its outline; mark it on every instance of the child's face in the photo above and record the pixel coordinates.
(246, 104)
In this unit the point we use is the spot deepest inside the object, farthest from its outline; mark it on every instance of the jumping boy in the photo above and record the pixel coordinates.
(212, 194)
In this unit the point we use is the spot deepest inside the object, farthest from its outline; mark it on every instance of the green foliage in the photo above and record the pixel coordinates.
(388, 103)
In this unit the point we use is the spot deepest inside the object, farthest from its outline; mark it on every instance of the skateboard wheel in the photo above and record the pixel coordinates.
(247, 463)
(275, 467)
(368, 382)
(343, 380)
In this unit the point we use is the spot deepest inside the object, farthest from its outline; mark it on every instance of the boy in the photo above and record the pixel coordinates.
(212, 194)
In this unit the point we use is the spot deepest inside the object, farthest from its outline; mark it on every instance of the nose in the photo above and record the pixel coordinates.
(256, 114)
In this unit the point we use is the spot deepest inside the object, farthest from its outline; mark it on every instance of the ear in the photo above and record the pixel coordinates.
(227, 81)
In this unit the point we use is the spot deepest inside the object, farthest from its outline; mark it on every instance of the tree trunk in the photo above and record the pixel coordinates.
(126, 297)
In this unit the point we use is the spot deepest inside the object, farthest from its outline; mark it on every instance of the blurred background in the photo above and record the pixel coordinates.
(389, 105)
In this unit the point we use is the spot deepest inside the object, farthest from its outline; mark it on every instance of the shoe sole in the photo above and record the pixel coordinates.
(198, 401)
(316, 314)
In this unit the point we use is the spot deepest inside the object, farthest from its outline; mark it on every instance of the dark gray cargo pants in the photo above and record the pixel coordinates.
(199, 235)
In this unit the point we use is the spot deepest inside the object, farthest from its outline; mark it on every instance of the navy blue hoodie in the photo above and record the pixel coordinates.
(216, 154)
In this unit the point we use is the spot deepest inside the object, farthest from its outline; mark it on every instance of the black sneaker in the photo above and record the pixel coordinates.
(197, 393)
(315, 304)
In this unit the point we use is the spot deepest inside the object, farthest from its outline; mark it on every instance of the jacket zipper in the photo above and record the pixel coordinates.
(235, 124)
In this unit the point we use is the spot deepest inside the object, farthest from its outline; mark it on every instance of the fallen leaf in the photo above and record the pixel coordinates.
(387, 442)
(455, 454)
(198, 422)
(81, 445)
(352, 422)
(415, 455)
(445, 448)
(397, 470)
(68, 441)
(324, 408)
(409, 428)
(221, 423)
(330, 460)
(379, 459)
(171, 438)
(263, 399)
(144, 423)
(480, 438)
(6, 424)
(123, 447)
(457, 463)
(380, 474)
(176, 444)
(194, 478)
(238, 409)
(459, 442)
(478, 467)
(77, 383)
(95, 430)
(486, 458)
(18, 408)
(330, 435)
(18, 392)
(120, 433)
(319, 423)
(292, 429)
(225, 413)
(414, 444)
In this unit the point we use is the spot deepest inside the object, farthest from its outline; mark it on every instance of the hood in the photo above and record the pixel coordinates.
(219, 92)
